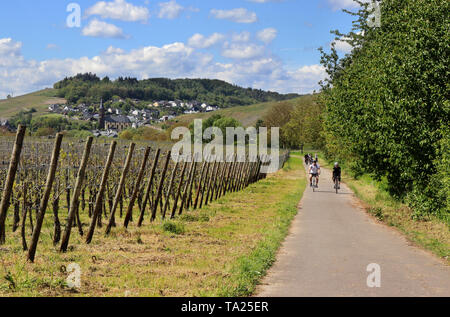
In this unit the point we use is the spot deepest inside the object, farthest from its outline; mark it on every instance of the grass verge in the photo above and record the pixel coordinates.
(432, 234)
(222, 250)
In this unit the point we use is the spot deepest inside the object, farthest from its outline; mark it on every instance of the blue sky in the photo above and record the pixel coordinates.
(267, 44)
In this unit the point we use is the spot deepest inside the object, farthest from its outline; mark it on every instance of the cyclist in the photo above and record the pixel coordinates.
(337, 174)
(307, 159)
(314, 171)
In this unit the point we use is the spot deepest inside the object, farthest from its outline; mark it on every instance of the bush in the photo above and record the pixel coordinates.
(45, 132)
(173, 227)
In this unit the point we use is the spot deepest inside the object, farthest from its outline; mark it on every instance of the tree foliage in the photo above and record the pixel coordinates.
(90, 88)
(300, 122)
(387, 102)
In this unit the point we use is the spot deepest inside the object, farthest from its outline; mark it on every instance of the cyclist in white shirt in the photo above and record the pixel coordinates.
(314, 171)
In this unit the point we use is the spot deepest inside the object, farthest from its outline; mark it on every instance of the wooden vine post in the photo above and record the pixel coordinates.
(118, 197)
(213, 184)
(160, 187)
(137, 186)
(13, 164)
(205, 184)
(180, 186)
(200, 184)
(149, 187)
(186, 187)
(191, 184)
(100, 194)
(169, 190)
(76, 194)
(45, 198)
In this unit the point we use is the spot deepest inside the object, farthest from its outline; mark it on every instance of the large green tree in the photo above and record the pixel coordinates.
(387, 102)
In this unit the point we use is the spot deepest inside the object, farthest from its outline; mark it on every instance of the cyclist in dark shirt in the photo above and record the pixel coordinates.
(337, 173)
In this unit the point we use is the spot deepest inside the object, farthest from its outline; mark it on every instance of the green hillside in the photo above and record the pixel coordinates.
(88, 88)
(39, 100)
(246, 115)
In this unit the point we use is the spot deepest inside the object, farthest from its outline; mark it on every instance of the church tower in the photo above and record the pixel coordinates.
(101, 119)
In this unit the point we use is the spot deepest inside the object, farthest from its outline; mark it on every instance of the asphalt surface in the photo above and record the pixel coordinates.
(333, 241)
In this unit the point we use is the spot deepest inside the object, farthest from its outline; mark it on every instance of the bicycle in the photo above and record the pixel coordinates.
(314, 183)
(337, 185)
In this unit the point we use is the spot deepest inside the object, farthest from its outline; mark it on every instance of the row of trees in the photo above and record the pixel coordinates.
(300, 122)
(386, 104)
(90, 88)
(50, 124)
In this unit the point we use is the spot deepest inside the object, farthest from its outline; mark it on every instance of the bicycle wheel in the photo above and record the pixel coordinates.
(336, 185)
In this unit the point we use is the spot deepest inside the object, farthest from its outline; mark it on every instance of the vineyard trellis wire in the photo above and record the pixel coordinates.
(84, 177)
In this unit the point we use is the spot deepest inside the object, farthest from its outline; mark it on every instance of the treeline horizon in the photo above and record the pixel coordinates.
(89, 88)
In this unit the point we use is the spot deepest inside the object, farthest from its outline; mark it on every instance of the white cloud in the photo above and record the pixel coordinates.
(305, 79)
(241, 37)
(114, 50)
(343, 46)
(170, 10)
(200, 41)
(177, 60)
(239, 15)
(98, 28)
(119, 10)
(9, 49)
(242, 51)
(267, 35)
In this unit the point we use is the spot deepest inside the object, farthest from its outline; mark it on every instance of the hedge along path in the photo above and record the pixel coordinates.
(76, 194)
(7, 191)
(100, 194)
(44, 201)
(120, 189)
(137, 186)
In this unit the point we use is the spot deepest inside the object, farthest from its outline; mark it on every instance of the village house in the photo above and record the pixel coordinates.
(210, 109)
(166, 118)
(118, 123)
(107, 133)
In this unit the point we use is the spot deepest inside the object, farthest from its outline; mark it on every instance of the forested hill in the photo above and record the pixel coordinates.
(90, 88)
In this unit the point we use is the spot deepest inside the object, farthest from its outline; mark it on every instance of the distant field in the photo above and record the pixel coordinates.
(246, 115)
(39, 100)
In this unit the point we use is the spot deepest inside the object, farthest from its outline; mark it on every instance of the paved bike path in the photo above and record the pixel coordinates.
(331, 243)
